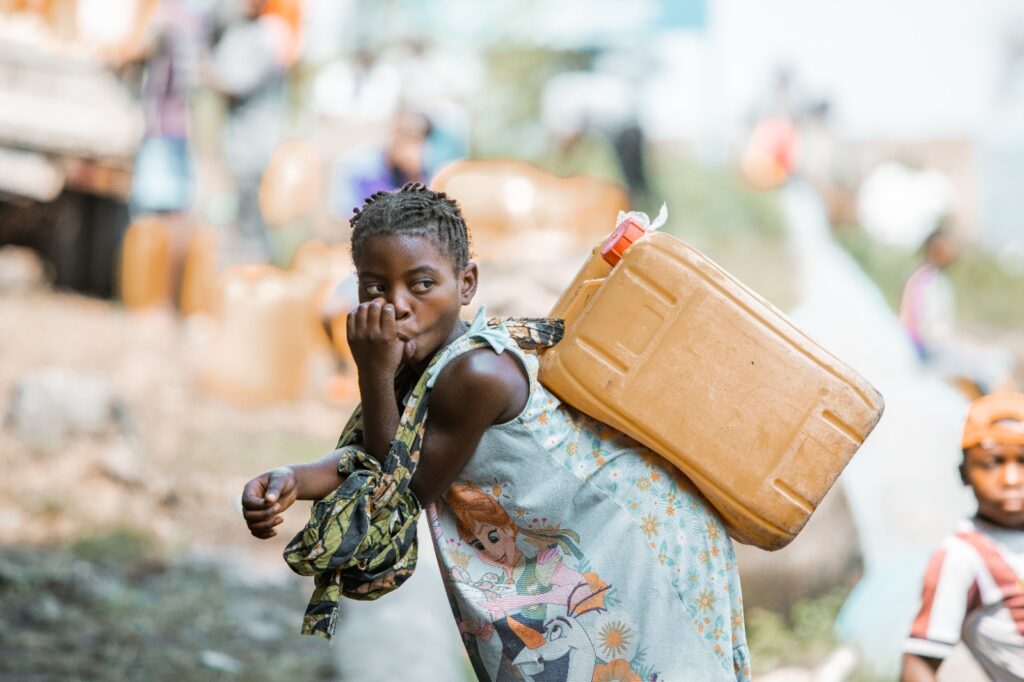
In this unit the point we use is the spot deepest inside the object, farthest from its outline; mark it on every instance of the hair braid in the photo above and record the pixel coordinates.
(415, 209)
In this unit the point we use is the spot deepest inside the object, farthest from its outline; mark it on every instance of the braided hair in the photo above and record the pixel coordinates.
(413, 210)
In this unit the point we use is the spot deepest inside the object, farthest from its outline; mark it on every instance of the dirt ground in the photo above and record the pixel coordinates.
(124, 549)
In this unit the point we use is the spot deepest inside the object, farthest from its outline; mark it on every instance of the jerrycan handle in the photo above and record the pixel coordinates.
(580, 300)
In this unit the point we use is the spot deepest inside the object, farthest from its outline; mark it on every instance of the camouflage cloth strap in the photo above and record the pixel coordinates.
(360, 541)
(532, 333)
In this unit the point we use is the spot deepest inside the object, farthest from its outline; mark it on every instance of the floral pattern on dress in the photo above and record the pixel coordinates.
(683, 532)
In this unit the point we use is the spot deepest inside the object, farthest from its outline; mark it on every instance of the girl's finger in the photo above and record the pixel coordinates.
(251, 499)
(266, 525)
(361, 315)
(264, 534)
(257, 515)
(281, 483)
(409, 352)
(350, 323)
(388, 326)
(373, 317)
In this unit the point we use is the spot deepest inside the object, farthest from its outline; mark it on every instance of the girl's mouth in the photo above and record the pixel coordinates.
(1012, 504)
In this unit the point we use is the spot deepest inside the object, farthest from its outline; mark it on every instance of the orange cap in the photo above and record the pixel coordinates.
(626, 232)
(990, 417)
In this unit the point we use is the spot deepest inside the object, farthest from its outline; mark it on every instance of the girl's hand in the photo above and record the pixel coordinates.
(374, 342)
(265, 497)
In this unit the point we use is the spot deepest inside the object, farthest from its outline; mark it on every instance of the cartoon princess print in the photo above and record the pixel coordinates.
(517, 593)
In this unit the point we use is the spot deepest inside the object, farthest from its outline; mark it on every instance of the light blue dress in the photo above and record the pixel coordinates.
(570, 552)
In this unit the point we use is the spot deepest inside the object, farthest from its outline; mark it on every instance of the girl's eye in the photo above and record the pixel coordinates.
(422, 286)
(373, 289)
(479, 545)
(493, 537)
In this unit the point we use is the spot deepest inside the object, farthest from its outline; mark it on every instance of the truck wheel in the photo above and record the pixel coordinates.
(84, 242)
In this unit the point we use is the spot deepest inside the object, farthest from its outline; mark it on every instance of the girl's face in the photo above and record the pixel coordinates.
(416, 275)
(496, 545)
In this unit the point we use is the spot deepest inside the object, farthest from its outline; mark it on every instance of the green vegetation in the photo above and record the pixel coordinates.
(112, 609)
(739, 228)
(506, 121)
(122, 546)
(713, 203)
(802, 637)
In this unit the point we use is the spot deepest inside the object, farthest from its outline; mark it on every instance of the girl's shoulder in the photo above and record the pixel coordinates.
(482, 377)
(482, 367)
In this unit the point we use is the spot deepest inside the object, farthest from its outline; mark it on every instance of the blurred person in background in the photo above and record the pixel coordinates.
(928, 312)
(248, 66)
(434, 83)
(974, 583)
(399, 160)
(582, 149)
(583, 112)
(630, 144)
(163, 181)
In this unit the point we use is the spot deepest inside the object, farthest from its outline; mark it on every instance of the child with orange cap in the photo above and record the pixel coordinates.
(974, 583)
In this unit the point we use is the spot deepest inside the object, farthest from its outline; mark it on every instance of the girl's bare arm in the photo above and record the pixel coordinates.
(378, 352)
(475, 391)
(267, 496)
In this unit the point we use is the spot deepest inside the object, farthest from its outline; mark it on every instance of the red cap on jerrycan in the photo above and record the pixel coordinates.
(626, 232)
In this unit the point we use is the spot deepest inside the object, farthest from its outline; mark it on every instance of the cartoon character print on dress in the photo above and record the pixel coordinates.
(555, 618)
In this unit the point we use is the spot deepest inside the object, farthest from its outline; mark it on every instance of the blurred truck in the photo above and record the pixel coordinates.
(69, 130)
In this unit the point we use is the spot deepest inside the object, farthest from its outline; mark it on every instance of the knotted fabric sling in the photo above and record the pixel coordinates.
(360, 541)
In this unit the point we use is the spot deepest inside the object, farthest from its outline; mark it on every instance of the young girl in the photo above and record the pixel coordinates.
(588, 555)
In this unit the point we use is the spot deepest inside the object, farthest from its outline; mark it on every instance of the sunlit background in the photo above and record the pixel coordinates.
(176, 178)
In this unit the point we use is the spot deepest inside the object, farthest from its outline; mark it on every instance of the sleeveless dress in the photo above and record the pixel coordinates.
(570, 552)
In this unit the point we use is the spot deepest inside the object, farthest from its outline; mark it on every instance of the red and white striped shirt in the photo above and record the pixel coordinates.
(974, 591)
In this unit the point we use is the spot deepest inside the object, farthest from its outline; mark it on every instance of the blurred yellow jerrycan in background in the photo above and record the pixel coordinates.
(199, 271)
(327, 266)
(145, 268)
(665, 346)
(262, 345)
(290, 185)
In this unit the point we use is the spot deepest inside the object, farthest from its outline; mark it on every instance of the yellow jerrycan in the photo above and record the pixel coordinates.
(145, 267)
(262, 345)
(665, 346)
(199, 272)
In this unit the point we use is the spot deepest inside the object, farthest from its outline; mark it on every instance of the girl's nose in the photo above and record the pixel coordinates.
(401, 302)
(1013, 473)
